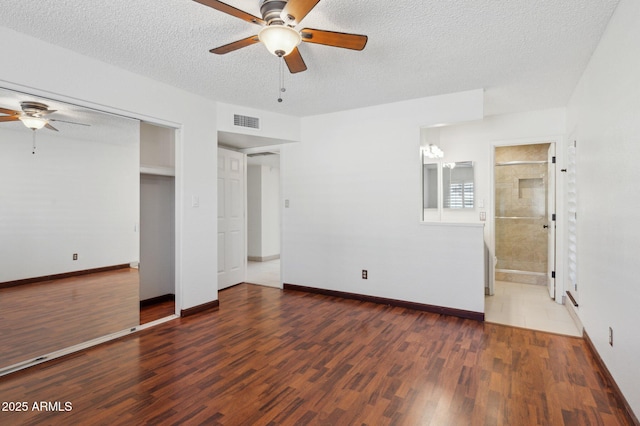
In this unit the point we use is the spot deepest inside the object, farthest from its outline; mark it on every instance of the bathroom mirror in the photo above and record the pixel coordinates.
(458, 185)
(430, 185)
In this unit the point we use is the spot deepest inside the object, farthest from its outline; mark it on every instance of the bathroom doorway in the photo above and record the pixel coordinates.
(524, 234)
(523, 204)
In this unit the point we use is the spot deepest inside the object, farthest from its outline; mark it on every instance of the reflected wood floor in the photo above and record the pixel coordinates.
(269, 357)
(157, 311)
(46, 316)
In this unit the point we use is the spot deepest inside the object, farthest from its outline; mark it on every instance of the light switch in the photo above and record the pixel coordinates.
(481, 203)
(483, 216)
(195, 201)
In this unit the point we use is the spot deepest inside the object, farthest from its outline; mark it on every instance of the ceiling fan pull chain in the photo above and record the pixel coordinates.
(282, 89)
(33, 131)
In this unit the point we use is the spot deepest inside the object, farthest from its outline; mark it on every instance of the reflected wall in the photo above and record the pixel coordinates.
(72, 206)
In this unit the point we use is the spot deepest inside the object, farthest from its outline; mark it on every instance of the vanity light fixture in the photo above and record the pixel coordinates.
(432, 151)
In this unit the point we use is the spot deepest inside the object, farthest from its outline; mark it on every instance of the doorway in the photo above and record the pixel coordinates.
(263, 218)
(524, 236)
(524, 197)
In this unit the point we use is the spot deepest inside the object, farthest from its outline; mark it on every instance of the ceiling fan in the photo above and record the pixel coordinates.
(279, 17)
(33, 116)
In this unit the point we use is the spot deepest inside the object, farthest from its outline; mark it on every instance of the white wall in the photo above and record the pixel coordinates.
(254, 210)
(157, 231)
(263, 204)
(603, 115)
(157, 147)
(354, 188)
(71, 196)
(270, 211)
(45, 69)
(273, 126)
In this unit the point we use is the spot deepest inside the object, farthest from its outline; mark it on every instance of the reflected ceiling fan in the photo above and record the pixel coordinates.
(279, 17)
(33, 115)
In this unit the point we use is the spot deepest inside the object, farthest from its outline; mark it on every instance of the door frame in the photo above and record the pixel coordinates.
(176, 173)
(559, 141)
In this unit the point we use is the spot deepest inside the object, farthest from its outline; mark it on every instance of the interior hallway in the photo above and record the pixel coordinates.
(264, 273)
(528, 306)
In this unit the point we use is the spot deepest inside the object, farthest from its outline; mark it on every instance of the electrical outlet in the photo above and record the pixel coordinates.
(483, 216)
(364, 274)
(75, 256)
(610, 336)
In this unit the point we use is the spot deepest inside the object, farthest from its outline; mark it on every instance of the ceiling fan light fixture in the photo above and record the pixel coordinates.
(280, 40)
(33, 123)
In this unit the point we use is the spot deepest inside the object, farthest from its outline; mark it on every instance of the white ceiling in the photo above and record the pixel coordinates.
(526, 54)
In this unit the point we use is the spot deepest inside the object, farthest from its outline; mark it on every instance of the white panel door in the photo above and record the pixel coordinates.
(551, 213)
(232, 259)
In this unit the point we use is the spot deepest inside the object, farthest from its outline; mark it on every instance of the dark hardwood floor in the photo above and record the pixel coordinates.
(269, 357)
(157, 311)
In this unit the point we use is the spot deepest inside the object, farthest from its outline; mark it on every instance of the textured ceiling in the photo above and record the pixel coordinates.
(526, 54)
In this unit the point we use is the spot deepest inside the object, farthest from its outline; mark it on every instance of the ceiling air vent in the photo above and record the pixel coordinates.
(246, 121)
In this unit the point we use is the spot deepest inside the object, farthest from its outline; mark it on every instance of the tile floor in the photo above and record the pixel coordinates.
(528, 306)
(264, 273)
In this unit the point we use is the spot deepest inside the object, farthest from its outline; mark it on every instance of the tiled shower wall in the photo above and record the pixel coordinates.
(520, 214)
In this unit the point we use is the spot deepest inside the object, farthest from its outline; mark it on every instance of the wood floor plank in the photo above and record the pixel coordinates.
(269, 357)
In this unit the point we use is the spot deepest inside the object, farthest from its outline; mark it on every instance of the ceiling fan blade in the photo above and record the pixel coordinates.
(9, 111)
(9, 118)
(50, 127)
(296, 10)
(223, 7)
(235, 45)
(294, 61)
(335, 39)
(47, 111)
(70, 122)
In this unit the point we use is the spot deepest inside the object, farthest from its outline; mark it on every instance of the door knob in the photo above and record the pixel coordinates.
(545, 226)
